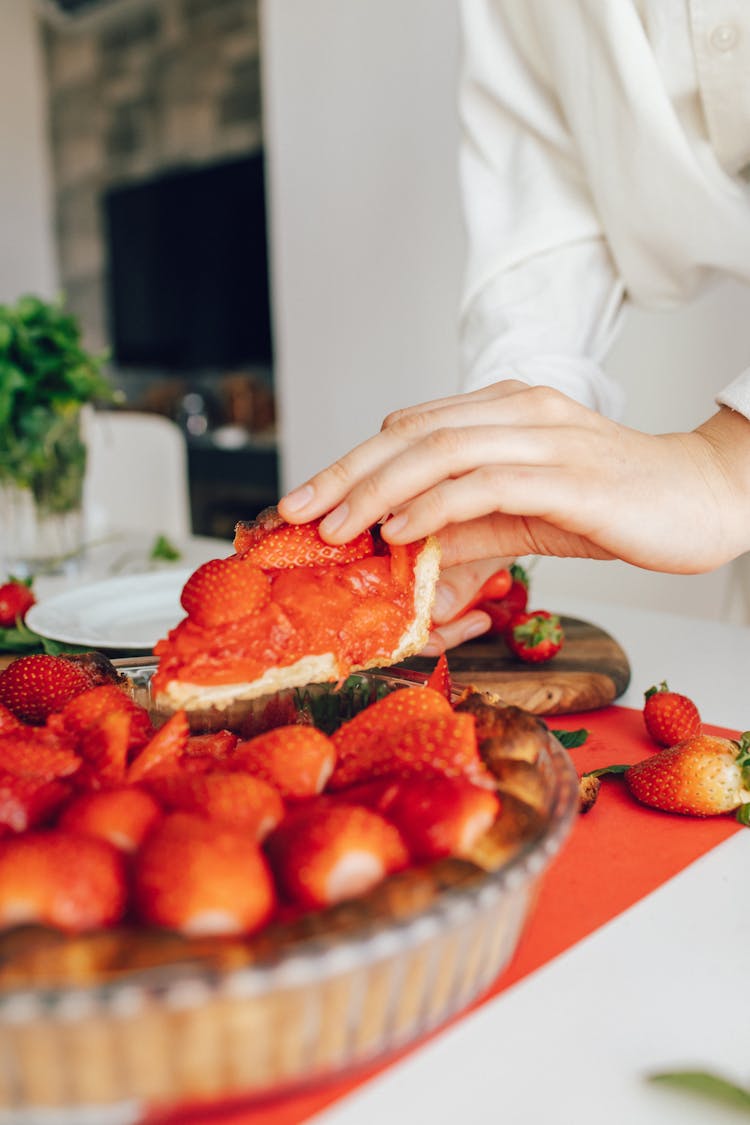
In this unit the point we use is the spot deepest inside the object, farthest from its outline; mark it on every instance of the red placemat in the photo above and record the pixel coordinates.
(617, 854)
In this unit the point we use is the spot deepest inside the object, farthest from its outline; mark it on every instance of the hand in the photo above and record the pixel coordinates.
(515, 470)
(457, 588)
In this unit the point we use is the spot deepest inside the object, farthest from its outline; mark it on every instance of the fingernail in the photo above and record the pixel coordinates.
(445, 600)
(431, 649)
(398, 523)
(334, 519)
(298, 499)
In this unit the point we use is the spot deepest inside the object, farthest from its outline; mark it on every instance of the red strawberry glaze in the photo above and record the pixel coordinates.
(356, 611)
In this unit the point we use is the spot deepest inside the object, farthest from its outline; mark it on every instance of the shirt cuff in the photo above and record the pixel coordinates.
(578, 377)
(737, 395)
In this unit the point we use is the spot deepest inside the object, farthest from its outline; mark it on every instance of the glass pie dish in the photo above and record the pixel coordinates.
(102, 1028)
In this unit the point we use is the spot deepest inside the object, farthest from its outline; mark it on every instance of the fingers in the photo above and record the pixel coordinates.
(459, 585)
(473, 624)
(500, 534)
(350, 511)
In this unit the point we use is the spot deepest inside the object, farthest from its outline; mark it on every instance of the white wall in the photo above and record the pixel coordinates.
(27, 255)
(361, 131)
(367, 249)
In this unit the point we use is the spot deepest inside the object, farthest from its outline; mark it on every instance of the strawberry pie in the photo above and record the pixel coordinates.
(192, 911)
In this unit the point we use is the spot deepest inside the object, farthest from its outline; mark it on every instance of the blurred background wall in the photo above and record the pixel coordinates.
(352, 105)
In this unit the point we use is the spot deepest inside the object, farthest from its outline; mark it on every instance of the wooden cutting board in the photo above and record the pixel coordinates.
(590, 671)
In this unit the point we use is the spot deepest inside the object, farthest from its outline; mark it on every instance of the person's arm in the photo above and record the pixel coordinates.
(542, 294)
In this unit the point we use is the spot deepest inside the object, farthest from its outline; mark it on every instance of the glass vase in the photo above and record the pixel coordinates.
(41, 501)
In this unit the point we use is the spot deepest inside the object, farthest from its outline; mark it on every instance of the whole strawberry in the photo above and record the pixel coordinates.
(502, 609)
(670, 717)
(33, 687)
(16, 599)
(702, 776)
(536, 636)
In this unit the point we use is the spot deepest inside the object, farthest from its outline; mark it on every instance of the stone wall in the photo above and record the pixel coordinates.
(137, 89)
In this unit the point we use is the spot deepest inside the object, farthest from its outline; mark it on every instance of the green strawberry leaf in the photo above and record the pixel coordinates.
(743, 814)
(570, 738)
(707, 1085)
(603, 771)
(164, 549)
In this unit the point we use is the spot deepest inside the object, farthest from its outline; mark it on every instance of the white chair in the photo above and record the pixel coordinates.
(137, 475)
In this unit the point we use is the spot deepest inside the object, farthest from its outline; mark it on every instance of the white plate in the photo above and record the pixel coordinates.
(133, 612)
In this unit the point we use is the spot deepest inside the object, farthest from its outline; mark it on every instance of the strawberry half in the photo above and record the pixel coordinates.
(123, 817)
(223, 590)
(439, 816)
(328, 853)
(236, 799)
(61, 879)
(702, 776)
(440, 677)
(33, 687)
(104, 747)
(199, 877)
(669, 716)
(37, 753)
(443, 746)
(162, 750)
(294, 545)
(370, 727)
(87, 710)
(298, 760)
(27, 802)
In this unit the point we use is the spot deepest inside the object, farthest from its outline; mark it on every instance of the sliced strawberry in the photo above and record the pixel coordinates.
(297, 760)
(9, 724)
(444, 746)
(167, 744)
(33, 687)
(199, 877)
(290, 545)
(88, 709)
(104, 747)
(39, 753)
(440, 816)
(61, 879)
(28, 802)
(440, 677)
(331, 852)
(223, 590)
(388, 715)
(236, 799)
(123, 816)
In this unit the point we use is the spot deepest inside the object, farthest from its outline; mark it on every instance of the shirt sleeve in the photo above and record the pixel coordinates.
(542, 295)
(737, 394)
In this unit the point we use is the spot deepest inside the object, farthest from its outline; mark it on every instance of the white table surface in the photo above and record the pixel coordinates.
(660, 987)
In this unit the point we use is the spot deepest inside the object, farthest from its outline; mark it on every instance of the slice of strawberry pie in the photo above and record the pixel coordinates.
(288, 609)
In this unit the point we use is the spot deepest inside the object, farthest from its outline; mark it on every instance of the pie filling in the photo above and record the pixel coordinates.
(355, 611)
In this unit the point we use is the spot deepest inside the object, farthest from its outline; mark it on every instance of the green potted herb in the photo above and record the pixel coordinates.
(46, 377)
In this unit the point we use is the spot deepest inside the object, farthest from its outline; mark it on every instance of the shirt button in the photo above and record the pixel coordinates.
(724, 37)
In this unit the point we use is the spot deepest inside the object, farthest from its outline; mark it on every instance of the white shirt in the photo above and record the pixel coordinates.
(606, 155)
